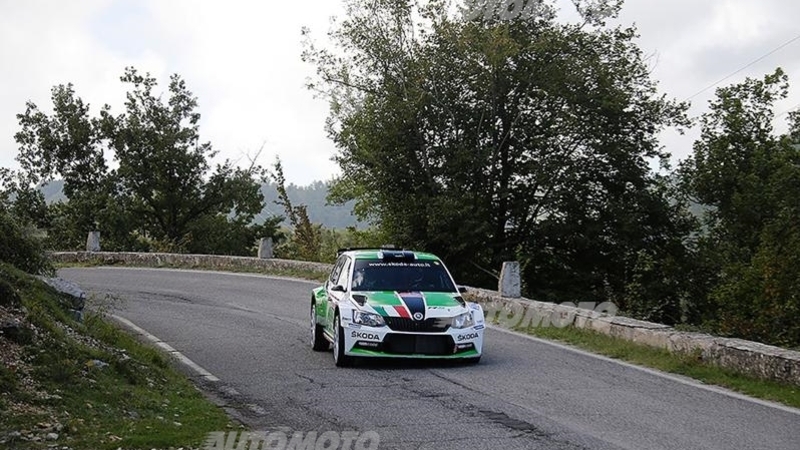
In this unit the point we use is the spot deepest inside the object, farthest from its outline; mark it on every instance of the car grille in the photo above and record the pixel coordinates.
(435, 325)
(408, 344)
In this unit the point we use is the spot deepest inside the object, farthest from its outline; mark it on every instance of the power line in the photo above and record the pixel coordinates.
(743, 68)
(788, 110)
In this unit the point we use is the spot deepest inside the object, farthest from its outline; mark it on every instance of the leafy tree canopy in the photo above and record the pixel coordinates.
(142, 176)
(490, 140)
(750, 179)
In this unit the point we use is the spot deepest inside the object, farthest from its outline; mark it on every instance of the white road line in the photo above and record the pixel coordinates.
(168, 348)
(682, 380)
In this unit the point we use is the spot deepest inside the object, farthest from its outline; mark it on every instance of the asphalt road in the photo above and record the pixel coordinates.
(252, 333)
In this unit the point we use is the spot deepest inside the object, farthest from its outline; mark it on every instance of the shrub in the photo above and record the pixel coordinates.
(21, 248)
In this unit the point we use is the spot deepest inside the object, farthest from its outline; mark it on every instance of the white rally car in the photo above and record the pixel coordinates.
(394, 303)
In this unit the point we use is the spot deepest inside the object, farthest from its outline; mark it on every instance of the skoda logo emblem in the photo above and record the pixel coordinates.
(418, 316)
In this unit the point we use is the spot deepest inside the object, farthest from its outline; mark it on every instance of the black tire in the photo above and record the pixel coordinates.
(318, 341)
(339, 358)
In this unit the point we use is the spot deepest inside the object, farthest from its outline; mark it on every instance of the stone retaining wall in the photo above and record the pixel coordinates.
(216, 262)
(752, 358)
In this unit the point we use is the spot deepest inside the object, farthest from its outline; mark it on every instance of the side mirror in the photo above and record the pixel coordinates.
(338, 288)
(462, 289)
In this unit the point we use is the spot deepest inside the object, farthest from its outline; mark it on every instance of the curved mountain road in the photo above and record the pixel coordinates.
(251, 332)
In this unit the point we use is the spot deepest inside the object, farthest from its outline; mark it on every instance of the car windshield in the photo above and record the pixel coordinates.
(378, 275)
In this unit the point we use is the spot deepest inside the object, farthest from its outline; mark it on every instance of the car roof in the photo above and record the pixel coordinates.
(375, 254)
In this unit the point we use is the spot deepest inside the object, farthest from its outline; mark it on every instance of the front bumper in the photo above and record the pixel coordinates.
(384, 342)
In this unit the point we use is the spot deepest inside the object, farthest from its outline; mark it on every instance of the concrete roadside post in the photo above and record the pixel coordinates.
(93, 242)
(265, 248)
(510, 285)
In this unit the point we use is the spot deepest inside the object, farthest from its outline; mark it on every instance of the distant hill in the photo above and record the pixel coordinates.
(53, 191)
(314, 196)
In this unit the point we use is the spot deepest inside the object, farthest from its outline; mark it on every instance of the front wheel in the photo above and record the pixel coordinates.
(339, 358)
(318, 341)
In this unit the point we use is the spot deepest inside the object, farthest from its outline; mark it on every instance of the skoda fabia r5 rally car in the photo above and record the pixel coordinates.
(394, 303)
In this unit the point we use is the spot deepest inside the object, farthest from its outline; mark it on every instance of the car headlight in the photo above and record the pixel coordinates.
(368, 319)
(464, 320)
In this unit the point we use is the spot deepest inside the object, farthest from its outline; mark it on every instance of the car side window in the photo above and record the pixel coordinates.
(344, 273)
(337, 270)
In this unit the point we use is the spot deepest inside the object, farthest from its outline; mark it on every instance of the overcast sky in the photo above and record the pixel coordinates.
(242, 60)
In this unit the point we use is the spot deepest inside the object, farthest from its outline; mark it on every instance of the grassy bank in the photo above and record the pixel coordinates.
(88, 385)
(688, 365)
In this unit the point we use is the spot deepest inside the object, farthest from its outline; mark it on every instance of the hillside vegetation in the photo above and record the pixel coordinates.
(82, 384)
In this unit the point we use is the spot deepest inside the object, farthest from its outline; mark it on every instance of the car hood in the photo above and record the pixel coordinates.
(406, 304)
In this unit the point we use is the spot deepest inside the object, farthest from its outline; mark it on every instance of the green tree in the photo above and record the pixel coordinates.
(750, 179)
(219, 235)
(492, 140)
(306, 241)
(20, 244)
(20, 198)
(163, 184)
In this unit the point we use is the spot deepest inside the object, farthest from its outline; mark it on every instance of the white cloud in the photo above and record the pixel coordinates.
(242, 60)
(695, 44)
(737, 23)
